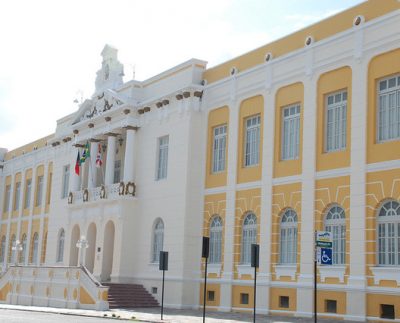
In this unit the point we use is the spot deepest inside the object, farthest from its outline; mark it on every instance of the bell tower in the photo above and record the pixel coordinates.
(112, 71)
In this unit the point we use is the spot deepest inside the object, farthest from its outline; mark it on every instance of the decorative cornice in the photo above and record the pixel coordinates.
(131, 128)
(198, 94)
(107, 118)
(159, 104)
(140, 111)
(179, 97)
(186, 94)
(94, 140)
(165, 102)
(111, 134)
(78, 145)
(126, 111)
(146, 109)
(91, 125)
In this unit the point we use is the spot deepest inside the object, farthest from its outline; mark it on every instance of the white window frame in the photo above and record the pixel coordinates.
(7, 198)
(65, 181)
(17, 195)
(336, 128)
(158, 240)
(290, 145)
(215, 240)
(249, 237)
(39, 190)
(335, 222)
(252, 140)
(388, 222)
(28, 191)
(219, 148)
(60, 246)
(35, 247)
(162, 157)
(117, 171)
(389, 129)
(288, 237)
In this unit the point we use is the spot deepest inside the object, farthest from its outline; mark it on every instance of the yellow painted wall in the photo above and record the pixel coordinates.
(236, 291)
(217, 294)
(40, 143)
(246, 201)
(380, 67)
(286, 96)
(39, 172)
(217, 117)
(248, 108)
(329, 192)
(381, 186)
(331, 82)
(326, 28)
(374, 302)
(85, 298)
(339, 297)
(283, 197)
(276, 292)
(214, 205)
(4, 292)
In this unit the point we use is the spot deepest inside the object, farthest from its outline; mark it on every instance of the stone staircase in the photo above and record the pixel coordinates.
(129, 296)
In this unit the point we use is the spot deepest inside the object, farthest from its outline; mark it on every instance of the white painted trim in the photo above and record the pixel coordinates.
(248, 185)
(332, 272)
(214, 269)
(245, 270)
(374, 318)
(285, 270)
(215, 190)
(386, 273)
(386, 165)
(333, 173)
(287, 180)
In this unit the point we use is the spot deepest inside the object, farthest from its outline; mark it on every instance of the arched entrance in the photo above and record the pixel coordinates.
(91, 250)
(74, 251)
(108, 251)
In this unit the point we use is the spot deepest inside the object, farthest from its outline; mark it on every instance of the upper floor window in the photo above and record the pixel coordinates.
(219, 149)
(162, 164)
(28, 190)
(60, 249)
(389, 234)
(215, 240)
(117, 171)
(158, 240)
(288, 237)
(7, 198)
(291, 132)
(249, 237)
(17, 195)
(65, 182)
(389, 109)
(335, 222)
(336, 121)
(23, 251)
(3, 249)
(252, 144)
(39, 191)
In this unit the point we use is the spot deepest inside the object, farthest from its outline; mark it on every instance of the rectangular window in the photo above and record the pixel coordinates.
(219, 149)
(27, 202)
(336, 121)
(284, 301)
(17, 195)
(7, 198)
(210, 295)
(389, 109)
(65, 182)
(291, 132)
(244, 298)
(387, 311)
(39, 191)
(117, 171)
(330, 306)
(252, 141)
(162, 157)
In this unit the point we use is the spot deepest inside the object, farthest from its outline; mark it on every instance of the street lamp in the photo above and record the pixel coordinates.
(82, 244)
(17, 247)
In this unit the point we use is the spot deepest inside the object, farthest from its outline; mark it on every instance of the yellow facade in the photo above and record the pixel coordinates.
(276, 293)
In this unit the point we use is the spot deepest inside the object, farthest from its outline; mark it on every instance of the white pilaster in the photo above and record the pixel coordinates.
(227, 276)
(92, 181)
(356, 303)
(129, 162)
(21, 208)
(74, 179)
(8, 240)
(110, 162)
(305, 294)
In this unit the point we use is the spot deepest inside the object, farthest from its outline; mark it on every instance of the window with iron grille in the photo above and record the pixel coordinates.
(335, 222)
(219, 149)
(252, 141)
(336, 121)
(291, 132)
(288, 237)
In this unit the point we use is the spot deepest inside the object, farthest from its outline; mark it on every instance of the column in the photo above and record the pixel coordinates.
(92, 180)
(73, 178)
(110, 159)
(21, 208)
(129, 162)
(42, 216)
(305, 293)
(8, 239)
(264, 274)
(227, 276)
(356, 302)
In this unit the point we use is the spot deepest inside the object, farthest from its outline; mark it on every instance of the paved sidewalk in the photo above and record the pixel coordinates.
(170, 315)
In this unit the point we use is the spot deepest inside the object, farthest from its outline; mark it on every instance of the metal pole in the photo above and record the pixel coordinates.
(162, 294)
(205, 290)
(315, 278)
(255, 286)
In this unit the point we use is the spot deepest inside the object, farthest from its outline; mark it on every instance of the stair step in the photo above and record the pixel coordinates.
(129, 296)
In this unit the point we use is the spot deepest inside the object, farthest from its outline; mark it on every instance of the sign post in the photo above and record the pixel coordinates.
(255, 262)
(163, 265)
(204, 254)
(322, 256)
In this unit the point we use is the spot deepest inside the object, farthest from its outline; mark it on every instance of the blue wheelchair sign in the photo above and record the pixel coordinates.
(326, 256)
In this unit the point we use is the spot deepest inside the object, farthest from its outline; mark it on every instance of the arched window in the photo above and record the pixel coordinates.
(23, 251)
(215, 240)
(158, 240)
(3, 248)
(60, 249)
(35, 247)
(249, 236)
(12, 252)
(288, 236)
(335, 222)
(389, 234)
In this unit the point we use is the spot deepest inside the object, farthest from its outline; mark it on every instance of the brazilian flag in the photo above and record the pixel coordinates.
(85, 153)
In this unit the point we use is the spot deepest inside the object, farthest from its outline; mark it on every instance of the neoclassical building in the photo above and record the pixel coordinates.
(299, 135)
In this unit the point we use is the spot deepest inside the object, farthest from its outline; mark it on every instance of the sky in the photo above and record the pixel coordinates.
(50, 50)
